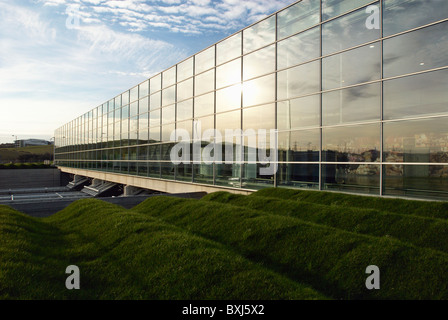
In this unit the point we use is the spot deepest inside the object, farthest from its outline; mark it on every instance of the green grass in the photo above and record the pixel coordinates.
(123, 254)
(273, 244)
(331, 260)
(417, 230)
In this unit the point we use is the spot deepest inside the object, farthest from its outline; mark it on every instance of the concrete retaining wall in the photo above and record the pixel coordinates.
(30, 178)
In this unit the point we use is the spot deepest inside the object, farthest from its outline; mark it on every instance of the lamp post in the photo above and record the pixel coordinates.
(15, 141)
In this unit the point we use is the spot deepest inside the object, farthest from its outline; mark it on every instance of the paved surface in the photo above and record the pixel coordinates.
(46, 204)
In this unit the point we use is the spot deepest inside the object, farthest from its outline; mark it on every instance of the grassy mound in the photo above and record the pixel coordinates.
(420, 231)
(430, 209)
(123, 254)
(331, 260)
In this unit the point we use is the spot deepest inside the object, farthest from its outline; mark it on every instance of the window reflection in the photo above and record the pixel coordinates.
(359, 178)
(298, 175)
(204, 105)
(416, 141)
(133, 95)
(143, 105)
(262, 117)
(185, 90)
(143, 90)
(228, 98)
(299, 81)
(298, 49)
(205, 60)
(185, 69)
(354, 104)
(228, 74)
(298, 17)
(169, 114)
(259, 35)
(298, 113)
(416, 51)
(351, 144)
(169, 77)
(333, 8)
(299, 146)
(228, 49)
(258, 91)
(185, 110)
(228, 120)
(204, 82)
(259, 63)
(352, 67)
(347, 31)
(402, 15)
(155, 84)
(169, 96)
(155, 101)
(423, 94)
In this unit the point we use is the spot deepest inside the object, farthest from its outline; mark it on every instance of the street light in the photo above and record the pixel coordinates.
(15, 141)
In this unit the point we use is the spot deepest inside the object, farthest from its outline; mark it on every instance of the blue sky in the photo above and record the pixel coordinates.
(53, 69)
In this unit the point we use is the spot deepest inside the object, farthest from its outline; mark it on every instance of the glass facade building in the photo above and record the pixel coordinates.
(357, 91)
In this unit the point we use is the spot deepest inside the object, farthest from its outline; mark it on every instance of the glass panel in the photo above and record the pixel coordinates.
(228, 74)
(117, 102)
(154, 134)
(205, 60)
(299, 81)
(228, 175)
(169, 114)
(143, 169)
(296, 146)
(186, 125)
(205, 82)
(351, 144)
(185, 90)
(259, 35)
(259, 91)
(184, 172)
(206, 123)
(298, 17)
(124, 112)
(347, 31)
(228, 120)
(154, 152)
(416, 141)
(298, 49)
(423, 94)
(154, 118)
(155, 84)
(228, 49)
(358, 178)
(154, 169)
(204, 105)
(134, 94)
(169, 77)
(402, 15)
(143, 90)
(203, 173)
(352, 67)
(133, 124)
(185, 69)
(259, 63)
(228, 98)
(252, 179)
(292, 175)
(134, 109)
(155, 101)
(168, 171)
(416, 51)
(124, 99)
(262, 117)
(143, 105)
(423, 181)
(169, 96)
(298, 113)
(185, 110)
(352, 105)
(143, 135)
(333, 8)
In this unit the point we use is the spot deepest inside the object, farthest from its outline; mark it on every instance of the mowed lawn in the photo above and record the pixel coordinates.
(273, 244)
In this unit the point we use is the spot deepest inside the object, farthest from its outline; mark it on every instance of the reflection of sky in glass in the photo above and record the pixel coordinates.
(333, 8)
(352, 67)
(416, 51)
(228, 49)
(402, 15)
(259, 63)
(228, 98)
(205, 60)
(204, 82)
(298, 18)
(228, 74)
(259, 35)
(169, 77)
(204, 105)
(346, 32)
(259, 91)
(185, 69)
(298, 81)
(423, 94)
